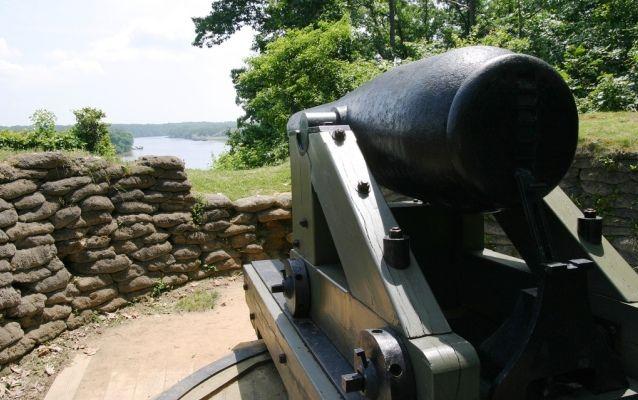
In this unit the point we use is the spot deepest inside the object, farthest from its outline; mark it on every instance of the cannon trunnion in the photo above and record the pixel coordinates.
(390, 293)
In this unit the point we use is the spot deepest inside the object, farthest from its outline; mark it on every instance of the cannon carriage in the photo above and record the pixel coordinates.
(390, 292)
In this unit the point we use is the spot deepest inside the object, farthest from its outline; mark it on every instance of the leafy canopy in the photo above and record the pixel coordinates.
(304, 68)
(92, 131)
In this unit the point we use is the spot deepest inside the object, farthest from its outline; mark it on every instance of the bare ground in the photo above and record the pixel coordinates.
(136, 352)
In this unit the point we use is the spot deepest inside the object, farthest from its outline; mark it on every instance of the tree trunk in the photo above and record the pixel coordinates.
(393, 5)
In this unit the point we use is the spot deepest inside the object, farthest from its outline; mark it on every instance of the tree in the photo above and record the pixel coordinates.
(122, 140)
(43, 122)
(92, 131)
(304, 68)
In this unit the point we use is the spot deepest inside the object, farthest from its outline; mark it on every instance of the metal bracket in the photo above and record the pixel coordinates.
(295, 287)
(382, 368)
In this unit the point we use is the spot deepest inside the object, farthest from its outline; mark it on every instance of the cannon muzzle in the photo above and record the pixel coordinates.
(455, 129)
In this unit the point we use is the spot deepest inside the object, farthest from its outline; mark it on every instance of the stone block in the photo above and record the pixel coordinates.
(30, 201)
(35, 241)
(56, 312)
(162, 162)
(8, 218)
(136, 207)
(132, 219)
(29, 305)
(94, 299)
(33, 258)
(135, 182)
(97, 203)
(254, 203)
(275, 214)
(91, 283)
(7, 250)
(9, 297)
(234, 230)
(169, 220)
(22, 230)
(135, 284)
(92, 189)
(106, 266)
(165, 185)
(10, 333)
(133, 231)
(31, 275)
(18, 188)
(152, 251)
(216, 256)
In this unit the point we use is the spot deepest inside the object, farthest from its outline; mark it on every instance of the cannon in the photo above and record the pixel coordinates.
(390, 291)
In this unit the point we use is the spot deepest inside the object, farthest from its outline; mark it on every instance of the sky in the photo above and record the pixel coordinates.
(131, 58)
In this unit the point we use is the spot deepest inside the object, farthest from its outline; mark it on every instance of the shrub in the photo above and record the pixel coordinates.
(30, 140)
(611, 94)
(92, 131)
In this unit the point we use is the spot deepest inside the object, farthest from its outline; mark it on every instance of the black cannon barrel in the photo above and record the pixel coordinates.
(453, 129)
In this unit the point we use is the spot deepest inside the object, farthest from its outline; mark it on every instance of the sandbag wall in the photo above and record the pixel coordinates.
(80, 234)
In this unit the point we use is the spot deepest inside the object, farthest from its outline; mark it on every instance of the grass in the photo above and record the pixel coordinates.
(200, 300)
(609, 132)
(242, 183)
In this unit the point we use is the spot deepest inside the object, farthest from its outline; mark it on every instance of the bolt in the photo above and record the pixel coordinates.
(352, 382)
(251, 316)
(282, 358)
(296, 243)
(245, 286)
(277, 288)
(363, 188)
(395, 233)
(303, 223)
(339, 135)
(359, 352)
(590, 213)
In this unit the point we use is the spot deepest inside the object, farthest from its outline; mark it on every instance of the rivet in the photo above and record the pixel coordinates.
(363, 188)
(339, 135)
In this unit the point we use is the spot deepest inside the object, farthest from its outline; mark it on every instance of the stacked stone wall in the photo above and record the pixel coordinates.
(608, 183)
(80, 234)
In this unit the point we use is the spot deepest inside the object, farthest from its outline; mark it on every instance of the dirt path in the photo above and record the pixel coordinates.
(152, 349)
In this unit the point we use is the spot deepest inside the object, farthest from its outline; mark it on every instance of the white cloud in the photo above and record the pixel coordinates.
(7, 52)
(132, 58)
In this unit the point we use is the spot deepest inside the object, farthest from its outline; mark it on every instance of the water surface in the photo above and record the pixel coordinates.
(197, 154)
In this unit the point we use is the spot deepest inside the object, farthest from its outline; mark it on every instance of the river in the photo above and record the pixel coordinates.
(197, 154)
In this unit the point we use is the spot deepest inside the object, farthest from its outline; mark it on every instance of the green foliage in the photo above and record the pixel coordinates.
(312, 52)
(92, 131)
(43, 122)
(159, 288)
(197, 211)
(187, 130)
(200, 300)
(123, 141)
(611, 94)
(304, 68)
(36, 141)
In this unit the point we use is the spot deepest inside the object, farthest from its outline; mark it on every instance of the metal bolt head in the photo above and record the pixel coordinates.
(296, 243)
(245, 286)
(277, 288)
(363, 188)
(352, 382)
(395, 233)
(590, 213)
(339, 135)
(282, 358)
(303, 223)
(251, 316)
